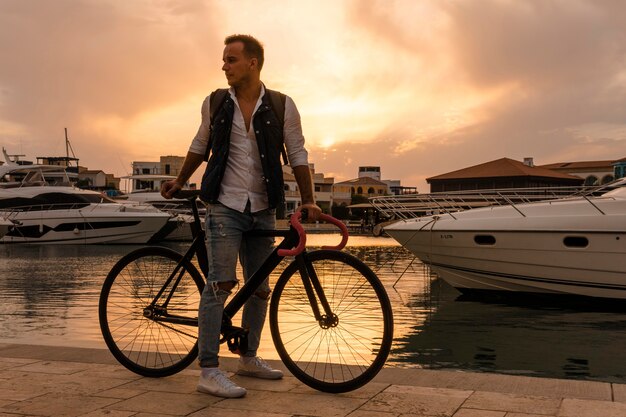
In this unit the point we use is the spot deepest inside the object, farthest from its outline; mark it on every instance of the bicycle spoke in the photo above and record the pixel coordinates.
(342, 351)
(145, 344)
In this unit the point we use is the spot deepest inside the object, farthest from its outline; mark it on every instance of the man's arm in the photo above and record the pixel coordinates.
(191, 163)
(305, 185)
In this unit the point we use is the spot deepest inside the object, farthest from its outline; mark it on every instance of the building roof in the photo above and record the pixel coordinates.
(503, 167)
(579, 165)
(91, 171)
(362, 181)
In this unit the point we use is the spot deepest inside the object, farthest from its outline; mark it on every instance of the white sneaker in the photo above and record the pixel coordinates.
(214, 381)
(258, 368)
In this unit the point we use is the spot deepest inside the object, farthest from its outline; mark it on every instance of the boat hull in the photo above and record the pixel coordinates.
(568, 247)
(84, 227)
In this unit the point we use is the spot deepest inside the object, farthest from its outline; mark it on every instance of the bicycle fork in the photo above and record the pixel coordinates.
(315, 293)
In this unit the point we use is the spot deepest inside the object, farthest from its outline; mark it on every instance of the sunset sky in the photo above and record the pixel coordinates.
(419, 88)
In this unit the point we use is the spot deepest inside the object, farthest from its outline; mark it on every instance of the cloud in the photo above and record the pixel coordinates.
(419, 88)
(559, 68)
(83, 63)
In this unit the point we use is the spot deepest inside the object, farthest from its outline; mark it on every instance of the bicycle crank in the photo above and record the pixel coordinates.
(236, 339)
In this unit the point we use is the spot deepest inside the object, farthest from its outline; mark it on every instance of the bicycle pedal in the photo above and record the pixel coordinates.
(237, 341)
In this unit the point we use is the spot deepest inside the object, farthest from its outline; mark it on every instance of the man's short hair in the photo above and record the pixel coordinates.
(252, 48)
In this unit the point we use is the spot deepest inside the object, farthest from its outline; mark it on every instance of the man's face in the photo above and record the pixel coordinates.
(237, 67)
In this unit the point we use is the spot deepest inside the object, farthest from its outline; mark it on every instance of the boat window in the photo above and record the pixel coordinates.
(576, 242)
(15, 202)
(485, 240)
(53, 201)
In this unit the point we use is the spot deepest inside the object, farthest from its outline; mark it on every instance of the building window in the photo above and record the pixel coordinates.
(607, 179)
(591, 180)
(286, 187)
(167, 169)
(318, 188)
(352, 191)
(359, 190)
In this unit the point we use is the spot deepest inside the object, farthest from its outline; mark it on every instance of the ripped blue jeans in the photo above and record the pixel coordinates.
(225, 243)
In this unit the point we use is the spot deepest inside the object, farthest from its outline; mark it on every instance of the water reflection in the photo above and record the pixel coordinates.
(49, 295)
(505, 338)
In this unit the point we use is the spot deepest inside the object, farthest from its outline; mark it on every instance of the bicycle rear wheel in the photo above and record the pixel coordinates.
(341, 354)
(136, 333)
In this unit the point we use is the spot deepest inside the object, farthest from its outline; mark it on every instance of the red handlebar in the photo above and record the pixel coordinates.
(342, 227)
(295, 222)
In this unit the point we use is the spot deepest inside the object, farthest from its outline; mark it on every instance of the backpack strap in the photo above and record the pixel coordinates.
(216, 100)
(277, 100)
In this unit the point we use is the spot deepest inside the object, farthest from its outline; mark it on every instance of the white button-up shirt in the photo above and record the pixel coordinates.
(243, 179)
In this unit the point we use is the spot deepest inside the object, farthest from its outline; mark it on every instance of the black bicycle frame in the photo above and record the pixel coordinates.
(310, 281)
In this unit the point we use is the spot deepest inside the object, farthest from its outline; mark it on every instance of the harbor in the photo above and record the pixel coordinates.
(474, 152)
(49, 296)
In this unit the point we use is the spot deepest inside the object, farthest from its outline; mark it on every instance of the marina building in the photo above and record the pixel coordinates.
(593, 172)
(501, 173)
(368, 184)
(360, 187)
(322, 187)
(149, 175)
(171, 165)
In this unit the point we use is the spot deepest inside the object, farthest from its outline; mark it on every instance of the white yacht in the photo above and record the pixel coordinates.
(179, 228)
(572, 245)
(65, 214)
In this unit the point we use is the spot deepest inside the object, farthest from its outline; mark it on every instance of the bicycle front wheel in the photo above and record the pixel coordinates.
(151, 339)
(345, 351)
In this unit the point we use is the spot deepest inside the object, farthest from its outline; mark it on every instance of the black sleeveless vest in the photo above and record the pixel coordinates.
(269, 136)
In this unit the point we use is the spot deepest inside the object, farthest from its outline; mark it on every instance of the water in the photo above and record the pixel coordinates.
(49, 295)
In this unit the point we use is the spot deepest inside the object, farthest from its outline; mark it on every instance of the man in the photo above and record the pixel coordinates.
(242, 185)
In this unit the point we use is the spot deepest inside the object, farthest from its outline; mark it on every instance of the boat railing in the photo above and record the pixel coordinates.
(417, 205)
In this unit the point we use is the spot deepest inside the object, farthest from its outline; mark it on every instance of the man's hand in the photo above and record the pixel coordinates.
(313, 211)
(169, 188)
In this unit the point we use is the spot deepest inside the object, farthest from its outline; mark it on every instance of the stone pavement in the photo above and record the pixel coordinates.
(64, 381)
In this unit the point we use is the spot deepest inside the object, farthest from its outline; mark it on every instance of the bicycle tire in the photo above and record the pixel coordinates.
(145, 346)
(338, 358)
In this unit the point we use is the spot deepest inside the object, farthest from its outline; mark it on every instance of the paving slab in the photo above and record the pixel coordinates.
(582, 408)
(523, 385)
(619, 393)
(58, 381)
(466, 412)
(223, 412)
(322, 405)
(524, 415)
(165, 403)
(508, 402)
(418, 400)
(110, 413)
(365, 413)
(57, 405)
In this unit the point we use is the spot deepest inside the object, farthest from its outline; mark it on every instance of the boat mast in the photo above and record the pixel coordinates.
(68, 147)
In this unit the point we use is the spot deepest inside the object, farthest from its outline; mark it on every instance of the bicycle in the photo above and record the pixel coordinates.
(330, 318)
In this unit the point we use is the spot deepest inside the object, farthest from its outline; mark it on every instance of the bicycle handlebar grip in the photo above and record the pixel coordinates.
(188, 194)
(295, 222)
(342, 227)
